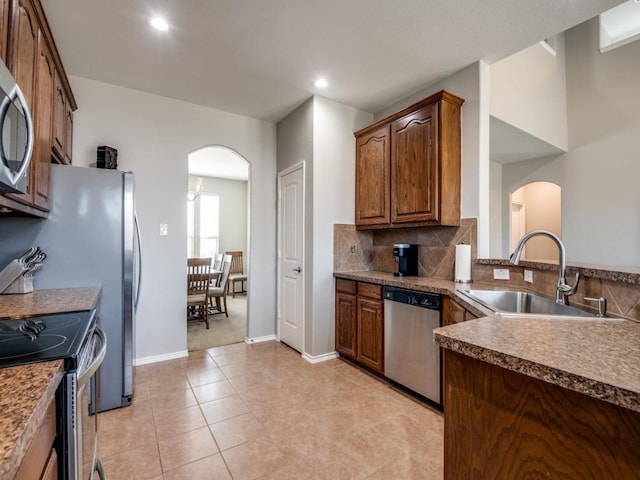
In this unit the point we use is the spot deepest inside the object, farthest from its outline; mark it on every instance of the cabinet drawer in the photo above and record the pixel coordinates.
(370, 290)
(346, 286)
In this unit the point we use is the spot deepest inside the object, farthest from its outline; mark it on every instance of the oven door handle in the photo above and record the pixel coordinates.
(85, 375)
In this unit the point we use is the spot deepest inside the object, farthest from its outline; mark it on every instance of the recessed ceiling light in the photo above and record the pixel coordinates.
(159, 24)
(321, 83)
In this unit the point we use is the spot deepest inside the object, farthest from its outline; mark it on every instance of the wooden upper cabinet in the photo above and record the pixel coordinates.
(59, 119)
(372, 177)
(24, 46)
(415, 155)
(414, 167)
(68, 132)
(23, 50)
(43, 115)
(29, 51)
(62, 124)
(4, 29)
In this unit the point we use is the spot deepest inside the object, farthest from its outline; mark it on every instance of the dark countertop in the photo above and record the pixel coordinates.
(597, 357)
(423, 284)
(49, 301)
(25, 393)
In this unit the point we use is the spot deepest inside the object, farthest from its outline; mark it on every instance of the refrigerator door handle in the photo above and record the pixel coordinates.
(139, 245)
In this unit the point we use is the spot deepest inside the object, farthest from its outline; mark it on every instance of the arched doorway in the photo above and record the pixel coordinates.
(217, 223)
(536, 206)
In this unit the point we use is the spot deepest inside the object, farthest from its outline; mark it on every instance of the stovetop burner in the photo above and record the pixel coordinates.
(44, 337)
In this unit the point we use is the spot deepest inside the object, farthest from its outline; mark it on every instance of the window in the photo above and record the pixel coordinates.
(209, 224)
(203, 225)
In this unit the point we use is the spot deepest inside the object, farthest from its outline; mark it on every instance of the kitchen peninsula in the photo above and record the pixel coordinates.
(529, 397)
(534, 395)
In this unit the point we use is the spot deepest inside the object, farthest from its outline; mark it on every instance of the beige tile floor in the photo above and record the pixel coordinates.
(262, 412)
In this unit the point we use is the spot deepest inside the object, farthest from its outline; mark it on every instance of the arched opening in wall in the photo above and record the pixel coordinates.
(536, 206)
(218, 228)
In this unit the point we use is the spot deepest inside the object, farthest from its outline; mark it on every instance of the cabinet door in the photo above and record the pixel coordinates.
(372, 178)
(4, 29)
(68, 130)
(51, 470)
(45, 76)
(371, 333)
(59, 120)
(23, 44)
(346, 324)
(414, 167)
(451, 312)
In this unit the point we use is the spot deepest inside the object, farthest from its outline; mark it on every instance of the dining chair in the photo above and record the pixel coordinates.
(217, 261)
(198, 271)
(216, 272)
(220, 291)
(237, 272)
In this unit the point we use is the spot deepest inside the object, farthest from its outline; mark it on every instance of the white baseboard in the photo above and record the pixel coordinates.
(160, 358)
(266, 338)
(320, 358)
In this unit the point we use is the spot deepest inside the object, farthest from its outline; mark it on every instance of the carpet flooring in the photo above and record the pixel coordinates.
(223, 330)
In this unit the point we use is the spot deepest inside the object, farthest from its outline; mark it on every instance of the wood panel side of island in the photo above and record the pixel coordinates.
(504, 425)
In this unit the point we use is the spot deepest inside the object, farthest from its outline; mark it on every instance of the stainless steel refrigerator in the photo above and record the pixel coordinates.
(91, 238)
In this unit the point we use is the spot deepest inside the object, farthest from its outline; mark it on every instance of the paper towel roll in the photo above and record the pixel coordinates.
(463, 263)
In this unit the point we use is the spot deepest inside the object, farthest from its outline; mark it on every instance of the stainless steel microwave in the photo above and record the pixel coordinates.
(16, 135)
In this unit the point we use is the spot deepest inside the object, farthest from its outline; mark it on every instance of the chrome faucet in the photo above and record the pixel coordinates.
(562, 290)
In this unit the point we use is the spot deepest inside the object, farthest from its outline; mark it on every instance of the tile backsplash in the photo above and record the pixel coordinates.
(623, 297)
(356, 250)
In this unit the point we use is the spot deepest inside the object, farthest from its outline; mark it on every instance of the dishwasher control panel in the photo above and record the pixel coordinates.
(413, 297)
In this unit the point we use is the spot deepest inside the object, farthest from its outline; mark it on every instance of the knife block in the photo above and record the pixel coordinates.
(20, 285)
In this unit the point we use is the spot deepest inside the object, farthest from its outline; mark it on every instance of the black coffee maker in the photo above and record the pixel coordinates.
(407, 257)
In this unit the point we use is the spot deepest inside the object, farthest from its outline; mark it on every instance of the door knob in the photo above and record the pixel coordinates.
(297, 269)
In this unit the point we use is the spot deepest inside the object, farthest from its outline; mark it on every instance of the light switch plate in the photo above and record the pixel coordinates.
(164, 229)
(501, 274)
(528, 276)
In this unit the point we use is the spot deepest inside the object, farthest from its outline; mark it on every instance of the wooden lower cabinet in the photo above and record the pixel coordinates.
(500, 424)
(360, 323)
(453, 312)
(346, 325)
(371, 333)
(41, 460)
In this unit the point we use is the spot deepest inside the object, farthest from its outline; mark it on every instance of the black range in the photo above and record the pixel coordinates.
(41, 338)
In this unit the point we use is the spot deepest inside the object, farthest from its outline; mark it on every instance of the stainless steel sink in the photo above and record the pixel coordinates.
(505, 301)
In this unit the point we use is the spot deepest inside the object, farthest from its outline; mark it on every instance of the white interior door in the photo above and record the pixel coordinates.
(291, 257)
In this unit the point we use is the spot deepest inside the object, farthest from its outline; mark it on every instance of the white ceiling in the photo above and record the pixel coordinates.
(259, 57)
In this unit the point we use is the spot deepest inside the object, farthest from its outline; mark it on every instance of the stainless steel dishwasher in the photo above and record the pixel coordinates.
(411, 358)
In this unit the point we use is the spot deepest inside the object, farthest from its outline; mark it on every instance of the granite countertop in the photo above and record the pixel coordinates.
(423, 284)
(49, 301)
(25, 394)
(597, 357)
